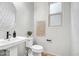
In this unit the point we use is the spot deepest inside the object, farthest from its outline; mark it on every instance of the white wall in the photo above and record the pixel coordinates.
(24, 17)
(24, 21)
(75, 28)
(60, 36)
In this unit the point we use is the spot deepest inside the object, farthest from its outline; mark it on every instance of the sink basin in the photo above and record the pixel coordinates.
(4, 44)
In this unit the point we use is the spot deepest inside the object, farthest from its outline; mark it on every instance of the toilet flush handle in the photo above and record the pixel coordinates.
(48, 40)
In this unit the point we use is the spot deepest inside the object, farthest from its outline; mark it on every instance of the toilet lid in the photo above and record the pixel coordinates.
(37, 48)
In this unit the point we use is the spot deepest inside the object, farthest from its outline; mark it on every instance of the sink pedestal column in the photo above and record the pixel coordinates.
(13, 51)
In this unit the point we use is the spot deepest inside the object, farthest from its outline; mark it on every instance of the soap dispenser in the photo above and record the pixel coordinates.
(14, 34)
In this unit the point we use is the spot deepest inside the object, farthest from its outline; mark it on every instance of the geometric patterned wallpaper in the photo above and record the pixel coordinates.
(7, 17)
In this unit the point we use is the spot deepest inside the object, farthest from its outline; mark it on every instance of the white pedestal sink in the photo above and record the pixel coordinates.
(11, 44)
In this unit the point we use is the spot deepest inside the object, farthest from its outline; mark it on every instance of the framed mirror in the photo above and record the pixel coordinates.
(55, 14)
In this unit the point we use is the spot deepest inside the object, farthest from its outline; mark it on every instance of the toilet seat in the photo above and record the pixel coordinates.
(37, 48)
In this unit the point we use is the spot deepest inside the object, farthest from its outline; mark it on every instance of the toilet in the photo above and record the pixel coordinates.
(35, 49)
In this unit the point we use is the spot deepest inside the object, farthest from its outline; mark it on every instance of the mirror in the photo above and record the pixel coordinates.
(7, 16)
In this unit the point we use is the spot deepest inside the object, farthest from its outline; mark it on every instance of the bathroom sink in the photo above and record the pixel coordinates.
(5, 44)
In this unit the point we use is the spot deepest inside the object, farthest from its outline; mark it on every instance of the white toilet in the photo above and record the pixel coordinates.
(36, 49)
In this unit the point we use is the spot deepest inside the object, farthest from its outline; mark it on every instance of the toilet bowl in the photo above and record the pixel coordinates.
(37, 50)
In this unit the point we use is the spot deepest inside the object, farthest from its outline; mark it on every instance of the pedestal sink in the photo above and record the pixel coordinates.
(11, 44)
